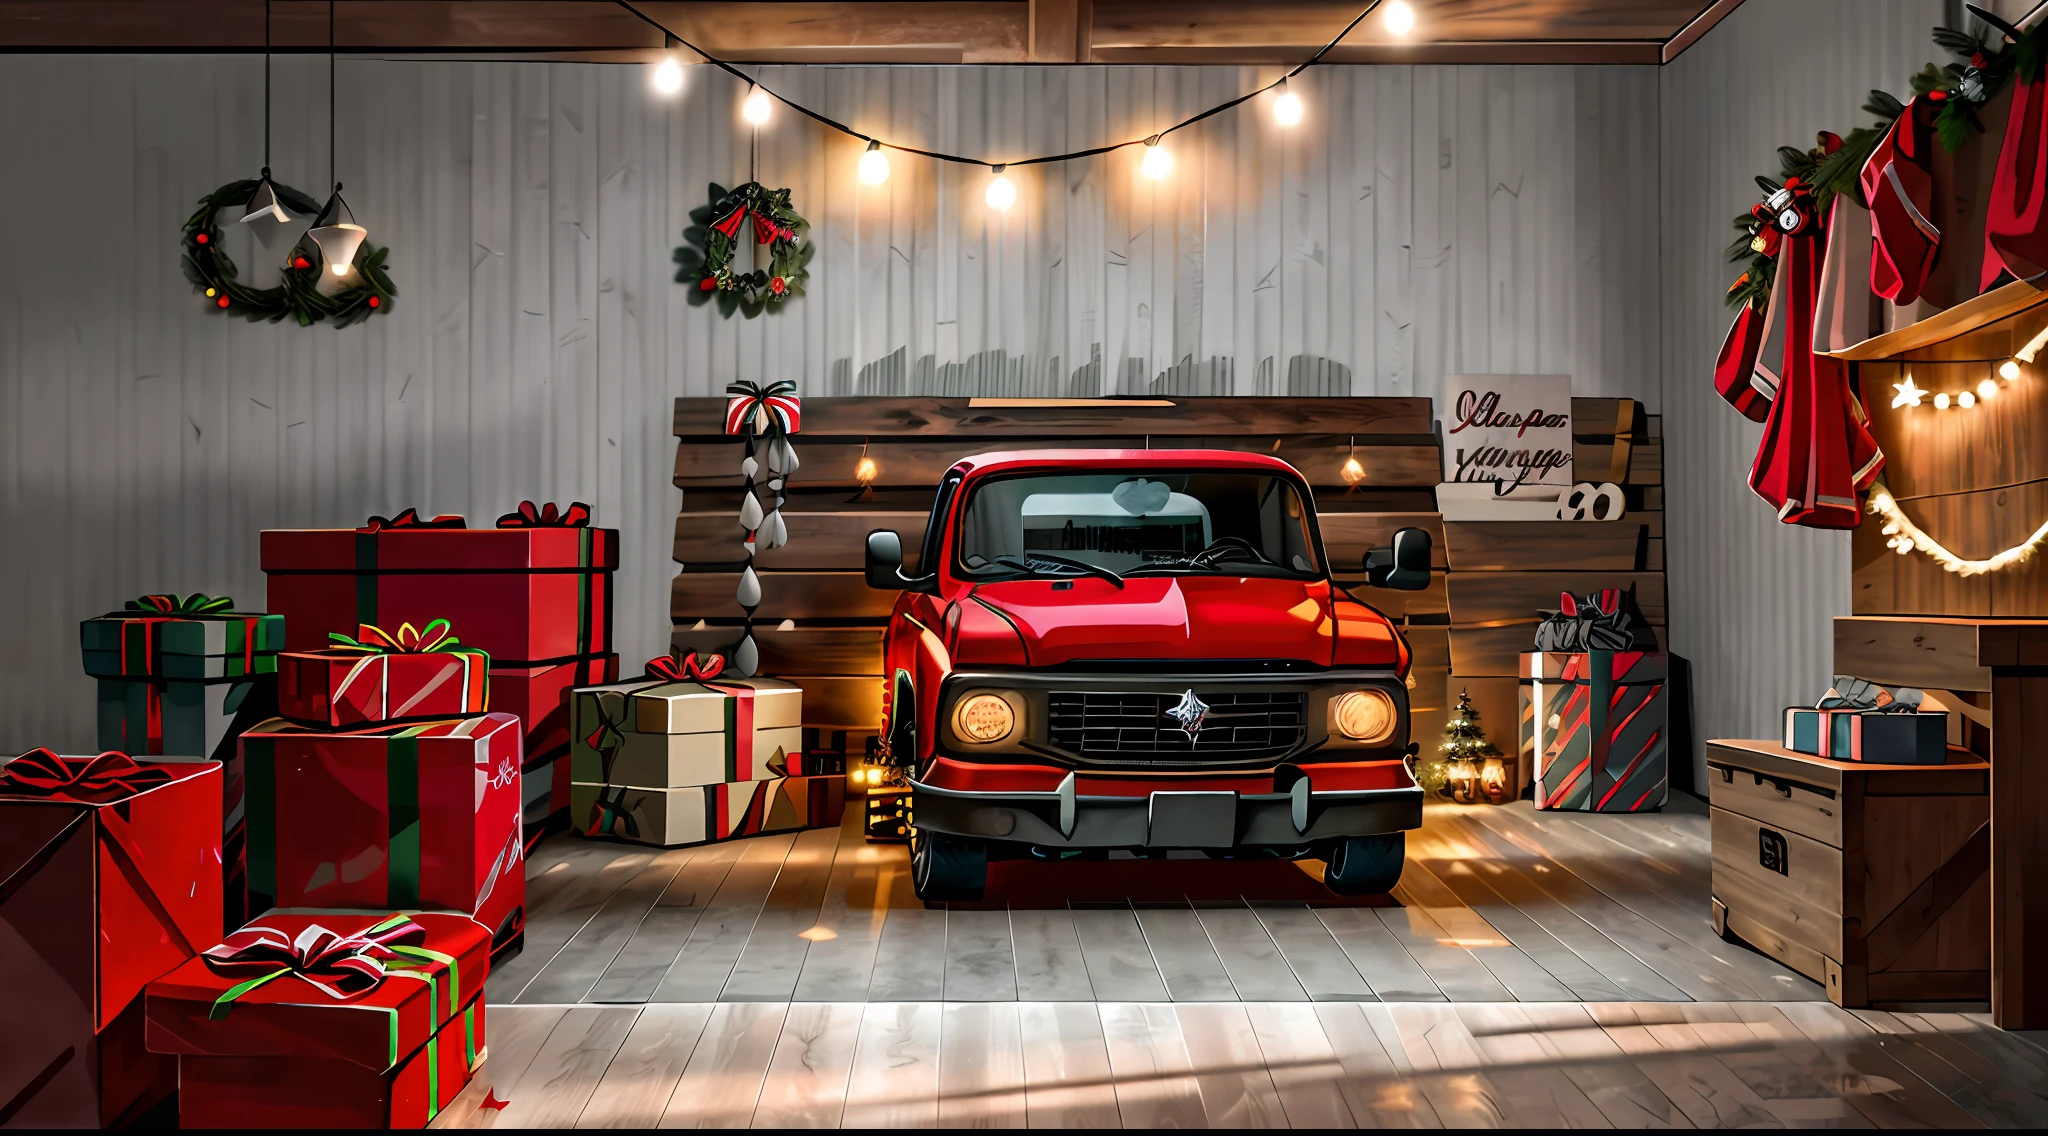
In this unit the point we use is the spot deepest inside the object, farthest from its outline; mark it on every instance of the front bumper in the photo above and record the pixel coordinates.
(1167, 819)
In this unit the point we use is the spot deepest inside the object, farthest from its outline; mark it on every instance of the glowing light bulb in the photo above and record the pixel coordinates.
(1966, 400)
(1987, 390)
(1158, 160)
(755, 109)
(865, 470)
(874, 165)
(668, 76)
(1353, 472)
(2009, 370)
(1941, 401)
(1399, 18)
(1001, 192)
(1287, 108)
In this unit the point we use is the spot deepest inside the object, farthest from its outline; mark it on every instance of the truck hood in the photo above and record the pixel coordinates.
(1172, 617)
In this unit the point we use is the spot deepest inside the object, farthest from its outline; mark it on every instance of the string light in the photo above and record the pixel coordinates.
(668, 76)
(865, 470)
(1941, 401)
(1909, 395)
(874, 165)
(1158, 159)
(1286, 108)
(1987, 390)
(1001, 192)
(1906, 537)
(1353, 472)
(2009, 370)
(1966, 400)
(1399, 17)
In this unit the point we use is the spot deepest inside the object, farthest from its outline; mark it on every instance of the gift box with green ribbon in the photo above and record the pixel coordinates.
(330, 1020)
(390, 816)
(109, 877)
(376, 676)
(192, 638)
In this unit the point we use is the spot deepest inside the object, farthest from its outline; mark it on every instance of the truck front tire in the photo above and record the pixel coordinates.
(946, 867)
(1365, 865)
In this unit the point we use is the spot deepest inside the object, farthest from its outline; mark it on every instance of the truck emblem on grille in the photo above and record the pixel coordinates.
(1189, 712)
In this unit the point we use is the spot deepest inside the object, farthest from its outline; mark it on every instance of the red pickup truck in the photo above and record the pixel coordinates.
(1143, 650)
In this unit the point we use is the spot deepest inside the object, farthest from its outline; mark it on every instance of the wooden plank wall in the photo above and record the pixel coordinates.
(1501, 573)
(831, 642)
(1975, 480)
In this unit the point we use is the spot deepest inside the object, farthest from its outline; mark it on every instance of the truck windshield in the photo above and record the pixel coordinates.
(1159, 522)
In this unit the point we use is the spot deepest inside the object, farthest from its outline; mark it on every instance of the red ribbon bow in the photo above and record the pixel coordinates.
(765, 228)
(690, 670)
(342, 966)
(411, 519)
(526, 516)
(90, 780)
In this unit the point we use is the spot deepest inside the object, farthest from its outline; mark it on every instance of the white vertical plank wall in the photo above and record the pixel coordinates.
(1752, 600)
(1421, 220)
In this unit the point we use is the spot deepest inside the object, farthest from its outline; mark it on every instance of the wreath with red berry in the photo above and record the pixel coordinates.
(715, 235)
(297, 296)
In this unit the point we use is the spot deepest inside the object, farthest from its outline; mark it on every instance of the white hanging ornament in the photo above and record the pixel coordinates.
(748, 466)
(772, 534)
(781, 456)
(749, 593)
(746, 658)
(775, 483)
(750, 512)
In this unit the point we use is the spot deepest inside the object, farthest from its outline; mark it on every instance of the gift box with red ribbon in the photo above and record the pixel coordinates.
(535, 589)
(110, 876)
(391, 816)
(686, 723)
(699, 813)
(1599, 724)
(195, 637)
(378, 676)
(325, 1021)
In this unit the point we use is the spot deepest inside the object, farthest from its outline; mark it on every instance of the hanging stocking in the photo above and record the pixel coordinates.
(1898, 181)
(2016, 219)
(1735, 374)
(1817, 451)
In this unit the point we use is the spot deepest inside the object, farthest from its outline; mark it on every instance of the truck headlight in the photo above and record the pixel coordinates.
(1365, 715)
(984, 718)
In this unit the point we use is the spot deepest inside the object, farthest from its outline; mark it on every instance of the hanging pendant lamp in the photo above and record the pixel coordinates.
(334, 239)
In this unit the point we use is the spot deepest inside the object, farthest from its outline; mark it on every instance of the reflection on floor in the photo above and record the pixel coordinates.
(1495, 905)
(1533, 969)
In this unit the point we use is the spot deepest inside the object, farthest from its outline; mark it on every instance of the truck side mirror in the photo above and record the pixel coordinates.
(1402, 566)
(885, 561)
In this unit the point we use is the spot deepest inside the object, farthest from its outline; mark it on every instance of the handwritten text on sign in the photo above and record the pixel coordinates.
(1508, 429)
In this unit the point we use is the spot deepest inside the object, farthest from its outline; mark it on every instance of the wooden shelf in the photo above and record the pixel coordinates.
(1966, 317)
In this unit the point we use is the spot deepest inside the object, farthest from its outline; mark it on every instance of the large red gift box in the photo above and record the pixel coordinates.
(540, 696)
(392, 816)
(110, 876)
(326, 1021)
(339, 687)
(526, 595)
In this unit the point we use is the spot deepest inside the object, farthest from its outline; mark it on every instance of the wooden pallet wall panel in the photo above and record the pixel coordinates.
(880, 418)
(784, 595)
(817, 541)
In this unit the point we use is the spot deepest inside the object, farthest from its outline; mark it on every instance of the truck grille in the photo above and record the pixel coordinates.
(1134, 728)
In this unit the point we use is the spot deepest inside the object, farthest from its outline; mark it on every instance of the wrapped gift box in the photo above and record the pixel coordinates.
(179, 718)
(109, 877)
(700, 813)
(339, 688)
(659, 734)
(173, 637)
(540, 697)
(1916, 738)
(1602, 748)
(392, 816)
(526, 595)
(390, 1052)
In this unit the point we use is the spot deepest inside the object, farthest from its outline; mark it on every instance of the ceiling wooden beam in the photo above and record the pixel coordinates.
(882, 31)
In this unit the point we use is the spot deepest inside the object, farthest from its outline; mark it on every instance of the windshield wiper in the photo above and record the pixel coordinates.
(1222, 548)
(1024, 564)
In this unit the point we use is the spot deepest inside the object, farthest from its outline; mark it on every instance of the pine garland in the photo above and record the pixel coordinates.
(214, 275)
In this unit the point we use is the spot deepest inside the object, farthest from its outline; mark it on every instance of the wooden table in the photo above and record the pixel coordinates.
(2009, 659)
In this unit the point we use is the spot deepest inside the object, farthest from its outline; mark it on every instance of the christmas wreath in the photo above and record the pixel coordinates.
(213, 273)
(715, 234)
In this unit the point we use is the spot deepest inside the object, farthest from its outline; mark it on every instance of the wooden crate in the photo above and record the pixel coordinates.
(1872, 880)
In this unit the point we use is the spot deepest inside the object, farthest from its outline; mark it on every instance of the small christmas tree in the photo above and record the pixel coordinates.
(1465, 748)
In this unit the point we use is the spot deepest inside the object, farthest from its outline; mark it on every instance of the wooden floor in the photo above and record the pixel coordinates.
(1495, 905)
(1531, 970)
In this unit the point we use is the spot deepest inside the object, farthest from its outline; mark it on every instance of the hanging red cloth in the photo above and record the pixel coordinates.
(2016, 218)
(1817, 451)
(1898, 181)
(1735, 371)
